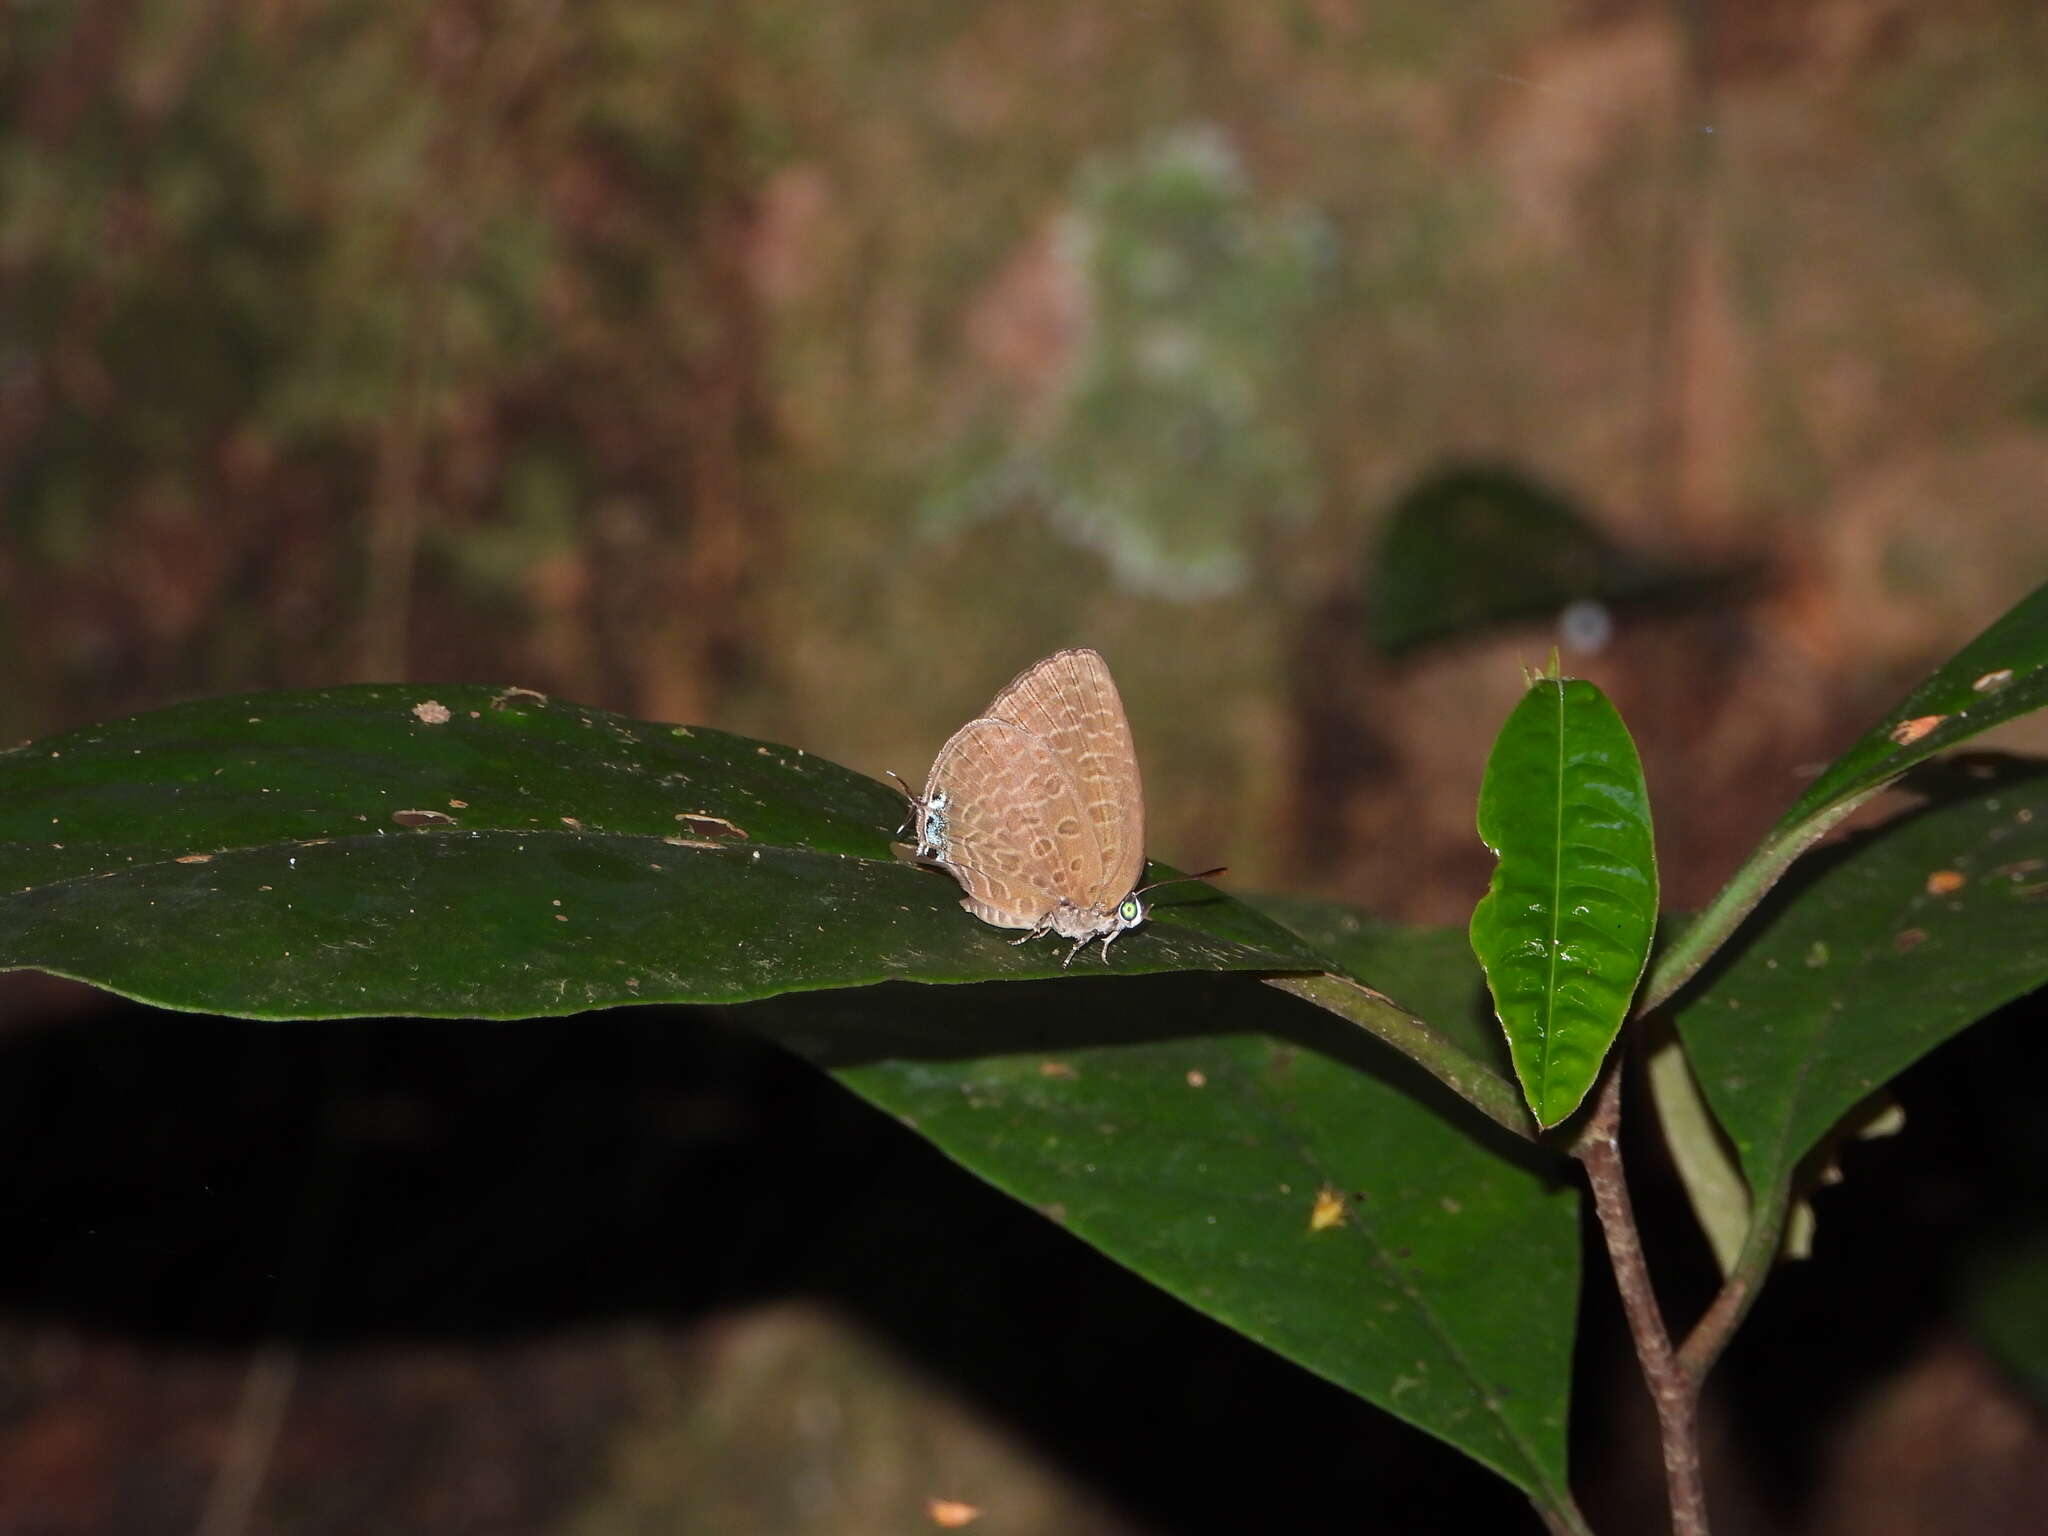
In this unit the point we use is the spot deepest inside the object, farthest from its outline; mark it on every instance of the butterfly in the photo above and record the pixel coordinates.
(1036, 808)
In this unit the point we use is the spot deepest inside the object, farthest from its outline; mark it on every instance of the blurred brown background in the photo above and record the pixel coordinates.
(806, 370)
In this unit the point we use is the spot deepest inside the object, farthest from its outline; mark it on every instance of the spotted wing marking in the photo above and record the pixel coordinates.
(1071, 702)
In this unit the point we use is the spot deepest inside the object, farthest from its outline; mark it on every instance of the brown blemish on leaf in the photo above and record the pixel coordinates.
(431, 712)
(572, 823)
(951, 1514)
(1327, 1212)
(2017, 869)
(704, 824)
(1991, 680)
(460, 805)
(1909, 939)
(1197, 1078)
(1906, 732)
(504, 700)
(692, 842)
(1946, 882)
(423, 818)
(193, 858)
(1056, 1069)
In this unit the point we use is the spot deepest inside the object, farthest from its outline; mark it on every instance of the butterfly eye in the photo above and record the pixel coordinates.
(1130, 911)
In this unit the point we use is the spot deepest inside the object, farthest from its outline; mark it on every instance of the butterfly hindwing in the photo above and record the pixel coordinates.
(1070, 701)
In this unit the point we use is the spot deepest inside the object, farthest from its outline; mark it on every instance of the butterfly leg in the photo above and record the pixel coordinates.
(1044, 927)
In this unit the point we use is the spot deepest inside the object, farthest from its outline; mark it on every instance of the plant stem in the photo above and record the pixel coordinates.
(1705, 935)
(1562, 1521)
(1710, 1335)
(1464, 1074)
(1674, 1389)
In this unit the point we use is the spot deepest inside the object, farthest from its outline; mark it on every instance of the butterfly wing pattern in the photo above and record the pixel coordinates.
(1071, 700)
(1036, 807)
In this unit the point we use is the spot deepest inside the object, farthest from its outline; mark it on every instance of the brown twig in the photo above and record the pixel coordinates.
(1673, 1388)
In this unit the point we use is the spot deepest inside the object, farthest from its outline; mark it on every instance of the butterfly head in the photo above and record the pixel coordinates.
(927, 821)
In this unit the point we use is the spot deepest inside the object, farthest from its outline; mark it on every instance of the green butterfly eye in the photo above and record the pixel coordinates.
(1130, 911)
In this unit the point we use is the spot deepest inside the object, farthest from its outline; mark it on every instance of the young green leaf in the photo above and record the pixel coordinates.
(459, 852)
(1565, 926)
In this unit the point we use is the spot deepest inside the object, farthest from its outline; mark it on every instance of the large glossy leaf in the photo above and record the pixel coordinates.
(1875, 954)
(1565, 926)
(457, 852)
(1267, 1163)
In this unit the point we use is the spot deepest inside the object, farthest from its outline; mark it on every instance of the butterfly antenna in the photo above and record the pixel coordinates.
(1220, 869)
(908, 794)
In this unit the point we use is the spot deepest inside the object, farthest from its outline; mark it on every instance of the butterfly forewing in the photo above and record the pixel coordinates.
(1070, 702)
(1016, 835)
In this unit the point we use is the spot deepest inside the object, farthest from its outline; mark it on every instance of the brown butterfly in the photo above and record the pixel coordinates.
(1036, 808)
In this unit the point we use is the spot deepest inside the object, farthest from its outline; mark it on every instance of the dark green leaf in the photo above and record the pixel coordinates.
(457, 852)
(1192, 1138)
(1874, 953)
(1997, 677)
(1565, 926)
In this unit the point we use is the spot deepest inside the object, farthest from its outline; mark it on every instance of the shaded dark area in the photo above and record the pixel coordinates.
(1895, 1244)
(188, 1182)
(194, 1182)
